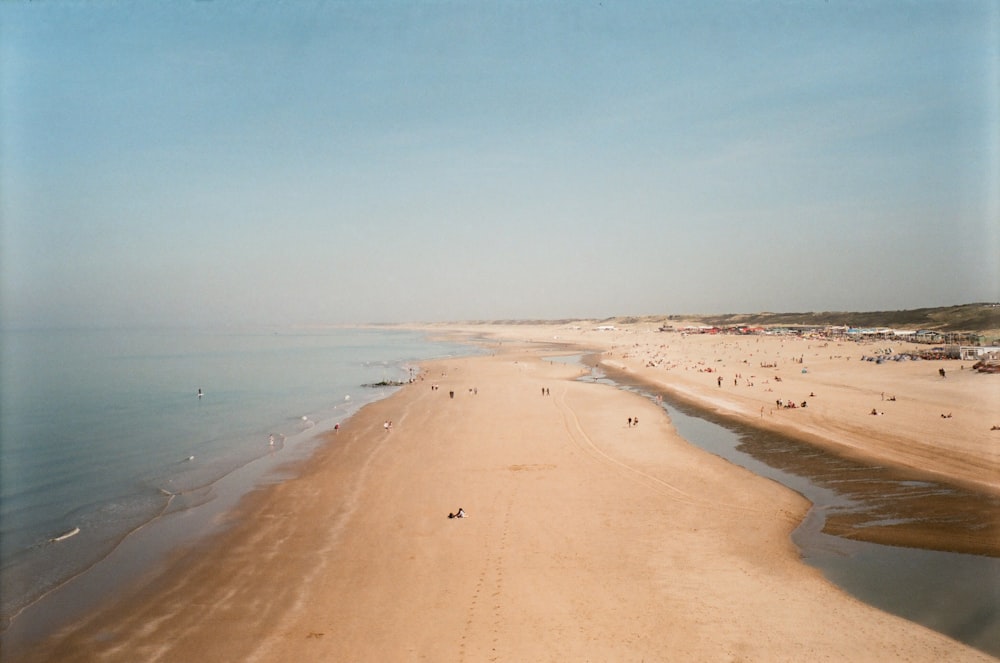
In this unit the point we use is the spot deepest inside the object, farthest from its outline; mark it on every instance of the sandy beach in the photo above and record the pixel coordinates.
(586, 539)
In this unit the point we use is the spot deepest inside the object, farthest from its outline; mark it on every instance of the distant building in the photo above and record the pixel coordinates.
(976, 352)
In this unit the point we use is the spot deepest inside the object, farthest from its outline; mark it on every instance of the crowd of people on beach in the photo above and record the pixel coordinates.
(659, 356)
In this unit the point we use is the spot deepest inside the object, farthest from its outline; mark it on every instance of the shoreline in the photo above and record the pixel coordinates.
(144, 551)
(975, 465)
(112, 463)
(811, 437)
(963, 530)
(305, 545)
(961, 519)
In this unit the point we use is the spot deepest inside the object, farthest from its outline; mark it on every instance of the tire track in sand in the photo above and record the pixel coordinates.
(586, 444)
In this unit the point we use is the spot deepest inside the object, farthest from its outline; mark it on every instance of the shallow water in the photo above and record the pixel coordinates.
(103, 430)
(957, 594)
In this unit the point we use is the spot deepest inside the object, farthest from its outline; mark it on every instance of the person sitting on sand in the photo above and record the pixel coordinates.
(459, 514)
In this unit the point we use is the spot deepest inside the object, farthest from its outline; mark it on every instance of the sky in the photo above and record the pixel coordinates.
(229, 163)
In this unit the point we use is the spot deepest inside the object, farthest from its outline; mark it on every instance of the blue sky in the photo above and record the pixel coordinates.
(232, 163)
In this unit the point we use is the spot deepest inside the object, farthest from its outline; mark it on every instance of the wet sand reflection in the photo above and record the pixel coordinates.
(886, 505)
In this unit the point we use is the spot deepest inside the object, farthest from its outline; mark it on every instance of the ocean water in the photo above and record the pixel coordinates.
(103, 431)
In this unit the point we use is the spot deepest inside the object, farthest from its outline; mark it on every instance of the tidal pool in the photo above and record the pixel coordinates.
(914, 547)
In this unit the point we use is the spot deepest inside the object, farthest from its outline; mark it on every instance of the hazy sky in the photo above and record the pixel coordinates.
(334, 162)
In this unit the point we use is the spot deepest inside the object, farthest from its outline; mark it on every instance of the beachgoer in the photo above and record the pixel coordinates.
(630, 422)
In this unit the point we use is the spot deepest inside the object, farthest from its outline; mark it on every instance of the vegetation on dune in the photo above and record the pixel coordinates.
(982, 317)
(965, 317)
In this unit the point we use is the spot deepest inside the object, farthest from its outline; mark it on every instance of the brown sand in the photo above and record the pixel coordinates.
(585, 540)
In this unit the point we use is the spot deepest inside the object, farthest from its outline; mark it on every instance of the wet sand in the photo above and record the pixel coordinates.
(586, 539)
(878, 503)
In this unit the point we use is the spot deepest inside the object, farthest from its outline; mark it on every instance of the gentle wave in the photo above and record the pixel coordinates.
(104, 430)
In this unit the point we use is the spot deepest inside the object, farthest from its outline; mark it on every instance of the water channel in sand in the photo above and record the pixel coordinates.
(957, 594)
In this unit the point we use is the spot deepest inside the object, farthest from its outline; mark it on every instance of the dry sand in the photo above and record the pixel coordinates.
(840, 389)
(586, 540)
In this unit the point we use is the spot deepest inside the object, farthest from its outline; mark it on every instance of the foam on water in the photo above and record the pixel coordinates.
(103, 431)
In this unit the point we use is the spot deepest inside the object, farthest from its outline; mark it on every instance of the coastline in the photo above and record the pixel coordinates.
(105, 432)
(353, 554)
(909, 433)
(892, 505)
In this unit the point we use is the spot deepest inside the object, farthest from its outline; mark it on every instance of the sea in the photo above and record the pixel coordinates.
(106, 433)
